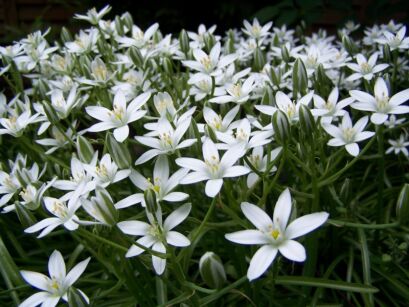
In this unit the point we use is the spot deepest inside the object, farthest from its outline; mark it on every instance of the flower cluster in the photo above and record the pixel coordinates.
(119, 124)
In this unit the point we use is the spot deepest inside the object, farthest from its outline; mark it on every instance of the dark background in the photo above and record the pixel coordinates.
(18, 17)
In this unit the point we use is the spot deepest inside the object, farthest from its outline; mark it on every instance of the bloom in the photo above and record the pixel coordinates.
(274, 234)
(381, 105)
(155, 234)
(120, 117)
(57, 285)
(213, 169)
(347, 135)
(365, 69)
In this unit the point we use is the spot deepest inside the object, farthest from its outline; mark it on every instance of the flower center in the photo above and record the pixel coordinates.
(213, 165)
(206, 62)
(366, 68)
(100, 72)
(348, 134)
(101, 170)
(204, 85)
(166, 140)
(382, 103)
(58, 209)
(217, 122)
(241, 135)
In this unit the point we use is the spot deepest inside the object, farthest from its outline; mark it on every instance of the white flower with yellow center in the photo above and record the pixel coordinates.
(238, 93)
(64, 214)
(381, 105)
(347, 135)
(120, 116)
(57, 285)
(156, 234)
(168, 140)
(397, 41)
(274, 235)
(213, 169)
(365, 68)
(255, 30)
(139, 38)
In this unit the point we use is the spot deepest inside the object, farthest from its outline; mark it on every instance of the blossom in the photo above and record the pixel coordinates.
(347, 135)
(156, 234)
(83, 42)
(238, 93)
(59, 139)
(93, 16)
(381, 105)
(168, 141)
(16, 124)
(255, 30)
(216, 122)
(138, 37)
(120, 116)
(209, 64)
(213, 169)
(399, 145)
(397, 41)
(274, 235)
(365, 68)
(57, 285)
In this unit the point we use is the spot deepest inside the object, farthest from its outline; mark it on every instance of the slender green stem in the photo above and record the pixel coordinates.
(381, 173)
(206, 218)
(338, 223)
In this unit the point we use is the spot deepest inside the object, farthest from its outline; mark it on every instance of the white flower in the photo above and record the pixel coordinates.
(331, 108)
(83, 42)
(348, 136)
(16, 124)
(59, 140)
(164, 104)
(244, 136)
(237, 93)
(259, 161)
(155, 234)
(139, 38)
(399, 145)
(161, 184)
(381, 105)
(202, 86)
(216, 122)
(397, 41)
(57, 285)
(284, 103)
(168, 141)
(106, 172)
(213, 169)
(120, 117)
(392, 121)
(365, 69)
(210, 64)
(9, 185)
(255, 30)
(63, 215)
(274, 235)
(93, 16)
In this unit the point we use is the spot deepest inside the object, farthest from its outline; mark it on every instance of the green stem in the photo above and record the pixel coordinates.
(381, 173)
(338, 223)
(206, 218)
(161, 293)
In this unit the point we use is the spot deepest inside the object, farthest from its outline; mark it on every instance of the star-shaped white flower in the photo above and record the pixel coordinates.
(213, 169)
(274, 235)
(365, 68)
(381, 105)
(347, 135)
(57, 285)
(120, 116)
(155, 234)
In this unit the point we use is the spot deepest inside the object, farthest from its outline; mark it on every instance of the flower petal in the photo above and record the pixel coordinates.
(177, 217)
(213, 187)
(38, 280)
(56, 266)
(135, 228)
(76, 272)
(121, 133)
(247, 237)
(353, 149)
(159, 264)
(134, 250)
(292, 250)
(282, 209)
(256, 216)
(35, 299)
(305, 224)
(261, 260)
(177, 239)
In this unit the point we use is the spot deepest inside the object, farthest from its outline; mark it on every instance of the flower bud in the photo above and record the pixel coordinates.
(259, 59)
(229, 46)
(281, 126)
(25, 217)
(285, 54)
(50, 113)
(150, 201)
(84, 149)
(402, 205)
(386, 53)
(349, 45)
(212, 271)
(65, 35)
(307, 121)
(300, 78)
(119, 23)
(136, 56)
(102, 208)
(127, 20)
(167, 65)
(184, 41)
(209, 41)
(119, 152)
(210, 133)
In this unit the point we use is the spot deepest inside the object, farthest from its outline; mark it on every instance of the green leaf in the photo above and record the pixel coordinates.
(324, 283)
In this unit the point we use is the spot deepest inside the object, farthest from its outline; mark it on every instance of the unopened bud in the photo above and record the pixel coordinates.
(150, 201)
(184, 41)
(84, 149)
(307, 121)
(167, 65)
(119, 152)
(300, 78)
(212, 270)
(65, 35)
(259, 59)
(209, 41)
(285, 54)
(136, 56)
(402, 205)
(281, 127)
(127, 20)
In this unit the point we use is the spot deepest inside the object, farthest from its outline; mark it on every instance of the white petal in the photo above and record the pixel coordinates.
(378, 118)
(177, 217)
(399, 98)
(305, 224)
(282, 209)
(194, 177)
(121, 133)
(120, 100)
(247, 237)
(100, 113)
(235, 171)
(209, 150)
(232, 155)
(129, 201)
(261, 260)
(159, 264)
(292, 250)
(364, 135)
(161, 169)
(51, 301)
(136, 228)
(56, 265)
(191, 163)
(256, 216)
(43, 224)
(176, 196)
(38, 280)
(147, 156)
(336, 142)
(134, 250)
(35, 299)
(76, 272)
(353, 149)
(213, 187)
(362, 96)
(102, 126)
(177, 239)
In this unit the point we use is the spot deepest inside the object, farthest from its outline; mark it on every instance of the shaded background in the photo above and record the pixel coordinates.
(19, 17)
